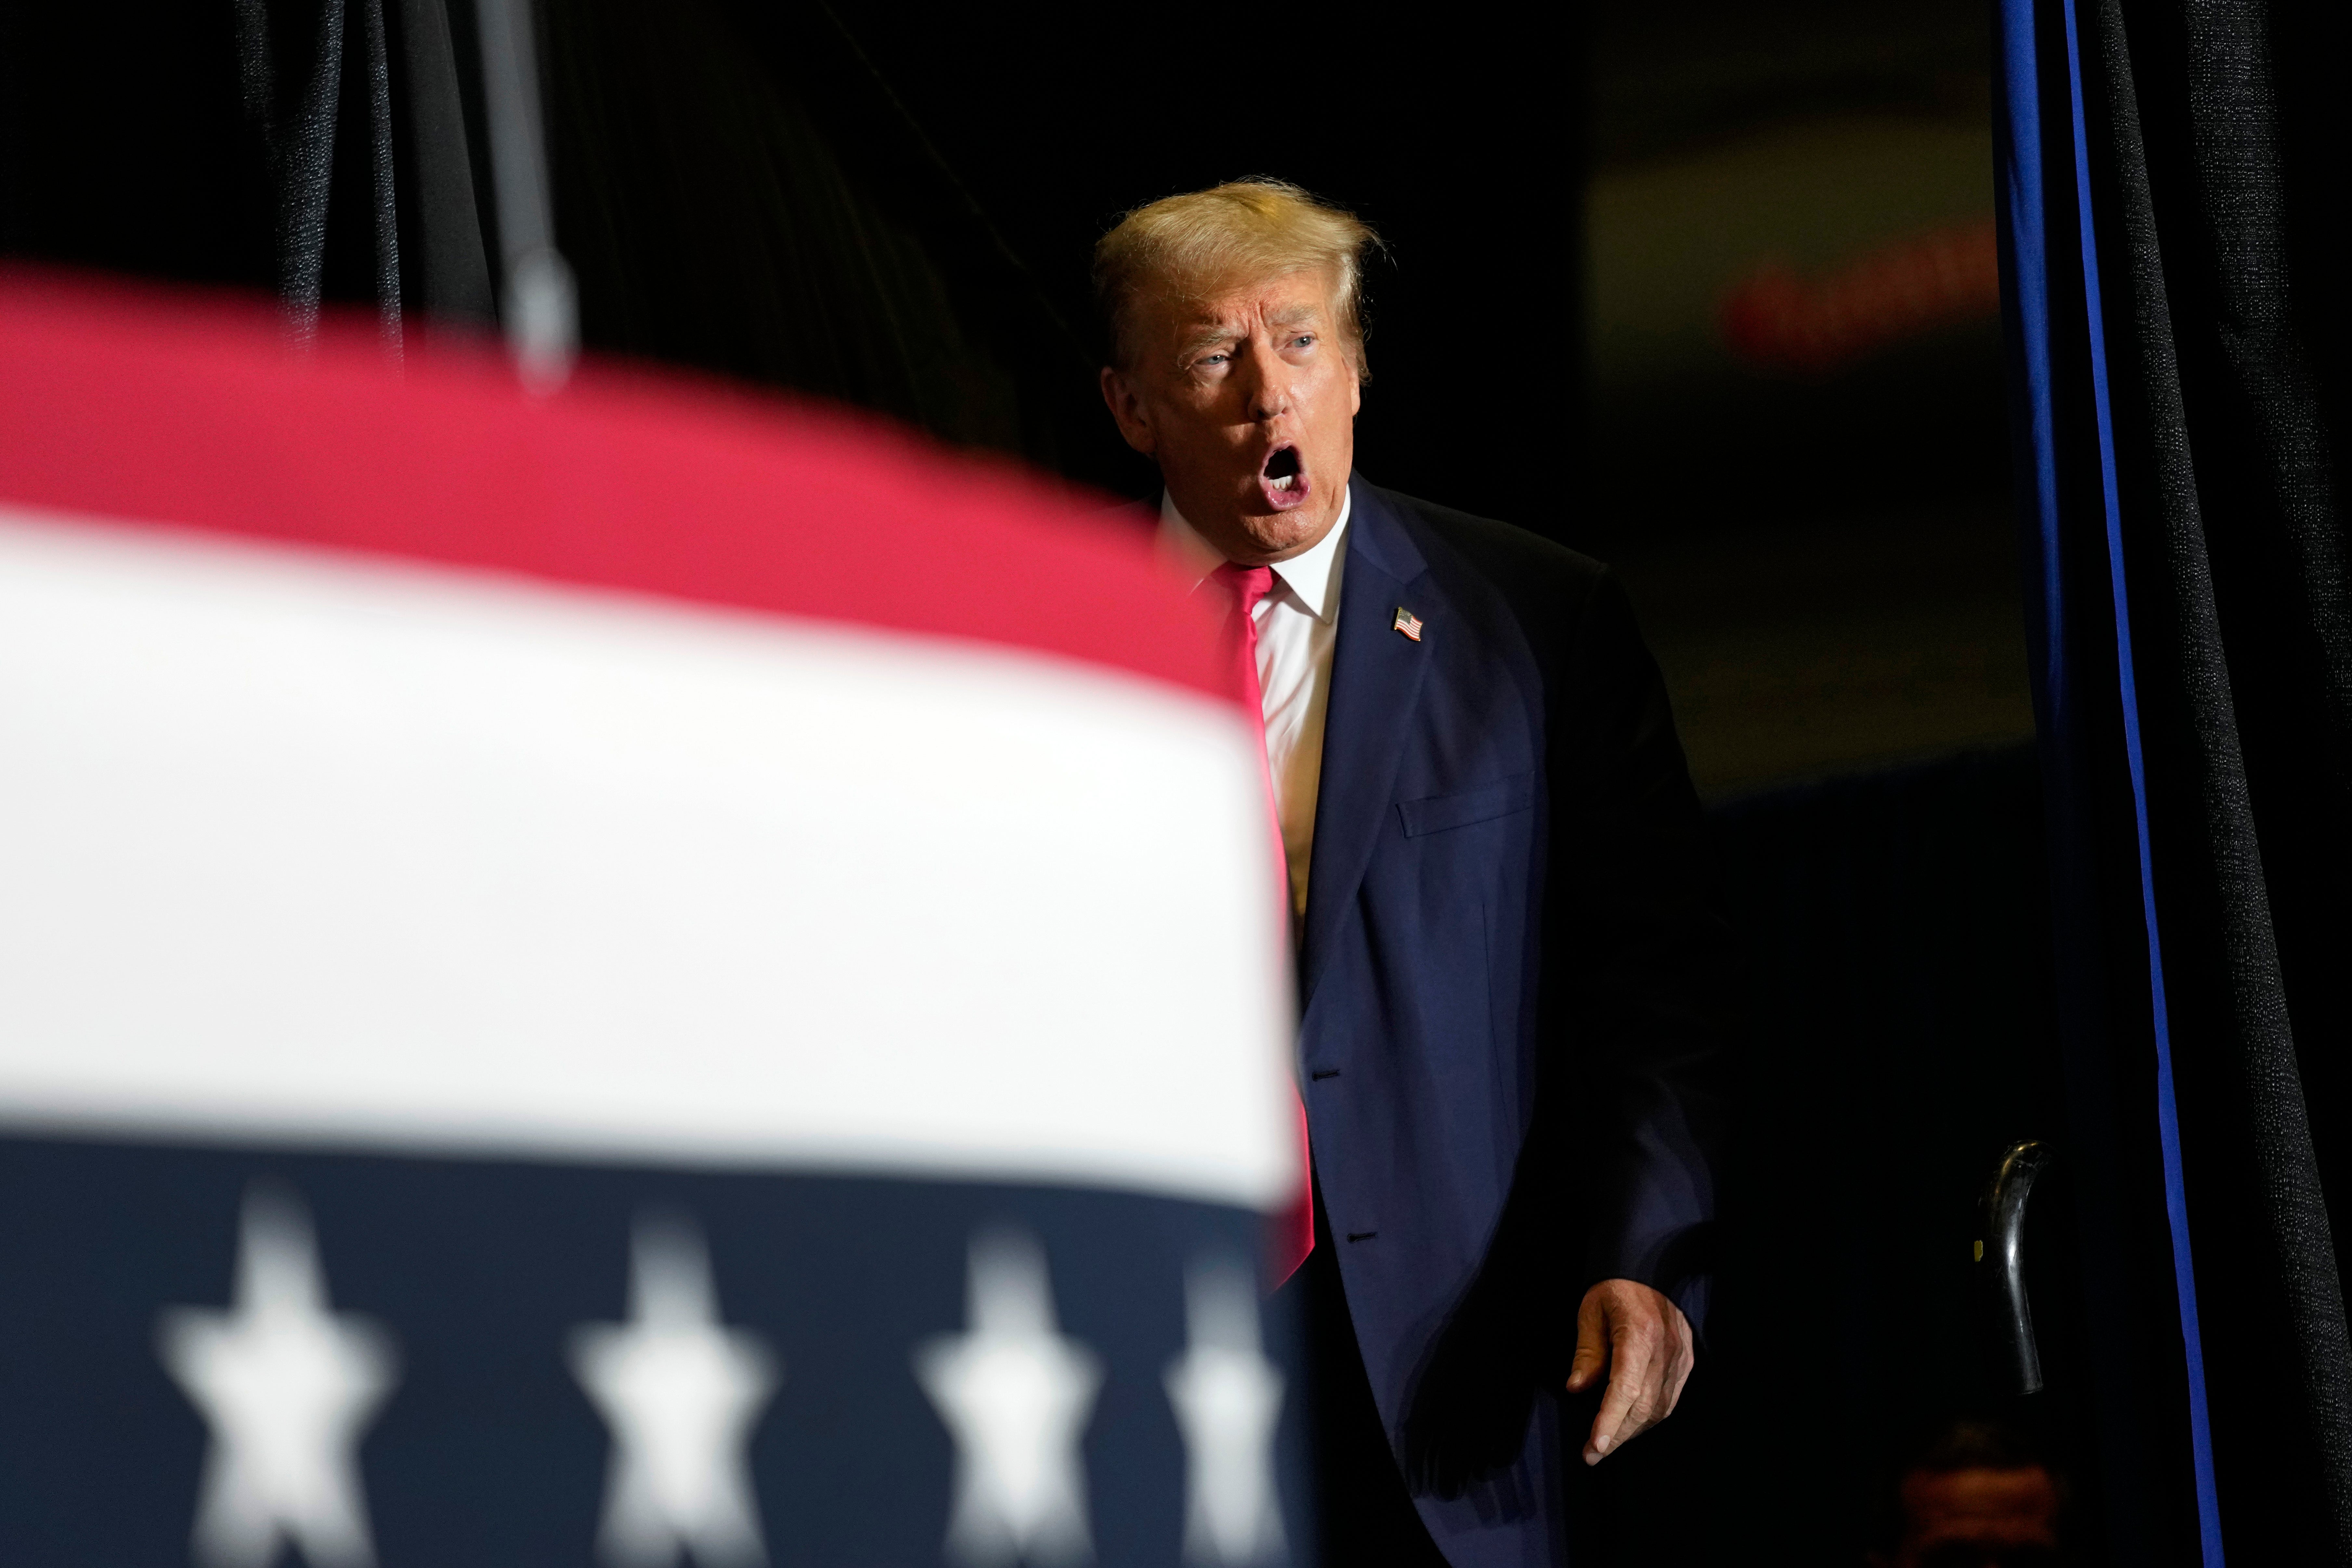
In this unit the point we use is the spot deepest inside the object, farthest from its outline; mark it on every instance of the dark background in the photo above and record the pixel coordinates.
(891, 204)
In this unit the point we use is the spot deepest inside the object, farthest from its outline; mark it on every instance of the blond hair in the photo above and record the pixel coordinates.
(1204, 243)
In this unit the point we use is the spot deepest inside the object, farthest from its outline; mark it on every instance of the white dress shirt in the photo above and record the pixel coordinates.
(1298, 628)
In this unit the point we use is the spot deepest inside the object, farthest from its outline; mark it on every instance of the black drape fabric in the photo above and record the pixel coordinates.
(2235, 297)
(296, 114)
(2205, 624)
(447, 262)
(297, 141)
(736, 190)
(736, 187)
(382, 204)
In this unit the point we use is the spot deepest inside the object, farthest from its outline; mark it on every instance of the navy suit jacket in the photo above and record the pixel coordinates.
(1511, 979)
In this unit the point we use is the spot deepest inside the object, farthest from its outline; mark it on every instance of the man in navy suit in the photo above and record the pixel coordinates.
(1508, 945)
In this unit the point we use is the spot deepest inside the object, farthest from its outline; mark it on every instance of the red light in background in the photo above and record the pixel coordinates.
(1777, 320)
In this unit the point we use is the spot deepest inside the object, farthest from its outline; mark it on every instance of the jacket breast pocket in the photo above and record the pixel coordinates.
(1479, 803)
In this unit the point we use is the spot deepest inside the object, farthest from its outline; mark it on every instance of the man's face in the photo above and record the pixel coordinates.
(1248, 405)
(1979, 1519)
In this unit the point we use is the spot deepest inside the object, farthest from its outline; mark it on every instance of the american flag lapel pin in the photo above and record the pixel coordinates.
(1408, 623)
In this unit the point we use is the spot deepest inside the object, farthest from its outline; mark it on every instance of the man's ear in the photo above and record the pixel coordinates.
(1126, 407)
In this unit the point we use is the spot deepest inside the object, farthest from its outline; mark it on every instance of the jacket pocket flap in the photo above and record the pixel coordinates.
(1480, 803)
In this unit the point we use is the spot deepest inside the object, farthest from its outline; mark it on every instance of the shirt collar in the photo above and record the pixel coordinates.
(1312, 577)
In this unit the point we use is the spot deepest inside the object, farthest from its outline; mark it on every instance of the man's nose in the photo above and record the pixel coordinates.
(1268, 385)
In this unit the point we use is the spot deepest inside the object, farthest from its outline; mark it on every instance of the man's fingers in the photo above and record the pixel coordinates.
(1646, 1343)
(1632, 1395)
(1591, 1345)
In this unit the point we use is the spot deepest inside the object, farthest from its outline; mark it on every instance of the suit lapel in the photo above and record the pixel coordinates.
(1375, 679)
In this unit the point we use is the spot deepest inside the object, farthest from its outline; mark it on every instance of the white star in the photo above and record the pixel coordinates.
(1016, 1395)
(1227, 1397)
(681, 1394)
(286, 1387)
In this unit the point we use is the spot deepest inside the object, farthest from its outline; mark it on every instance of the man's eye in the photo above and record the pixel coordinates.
(1302, 340)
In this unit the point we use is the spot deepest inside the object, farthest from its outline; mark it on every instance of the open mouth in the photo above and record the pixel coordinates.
(1283, 473)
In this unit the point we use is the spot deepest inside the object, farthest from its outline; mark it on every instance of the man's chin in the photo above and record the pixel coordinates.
(1278, 535)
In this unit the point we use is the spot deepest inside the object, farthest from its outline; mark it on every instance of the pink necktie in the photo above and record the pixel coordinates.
(1293, 1234)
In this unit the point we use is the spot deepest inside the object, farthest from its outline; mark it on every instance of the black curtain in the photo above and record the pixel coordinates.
(317, 148)
(736, 189)
(2172, 205)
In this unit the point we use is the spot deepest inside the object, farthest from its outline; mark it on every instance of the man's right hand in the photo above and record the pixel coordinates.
(1643, 1341)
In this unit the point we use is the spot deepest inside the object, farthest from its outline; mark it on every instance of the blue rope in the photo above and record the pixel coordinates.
(2028, 251)
(2168, 1108)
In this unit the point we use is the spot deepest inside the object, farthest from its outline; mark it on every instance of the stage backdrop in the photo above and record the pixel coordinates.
(633, 975)
(2173, 244)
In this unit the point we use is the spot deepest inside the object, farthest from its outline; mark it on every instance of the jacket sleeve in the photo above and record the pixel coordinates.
(1636, 955)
